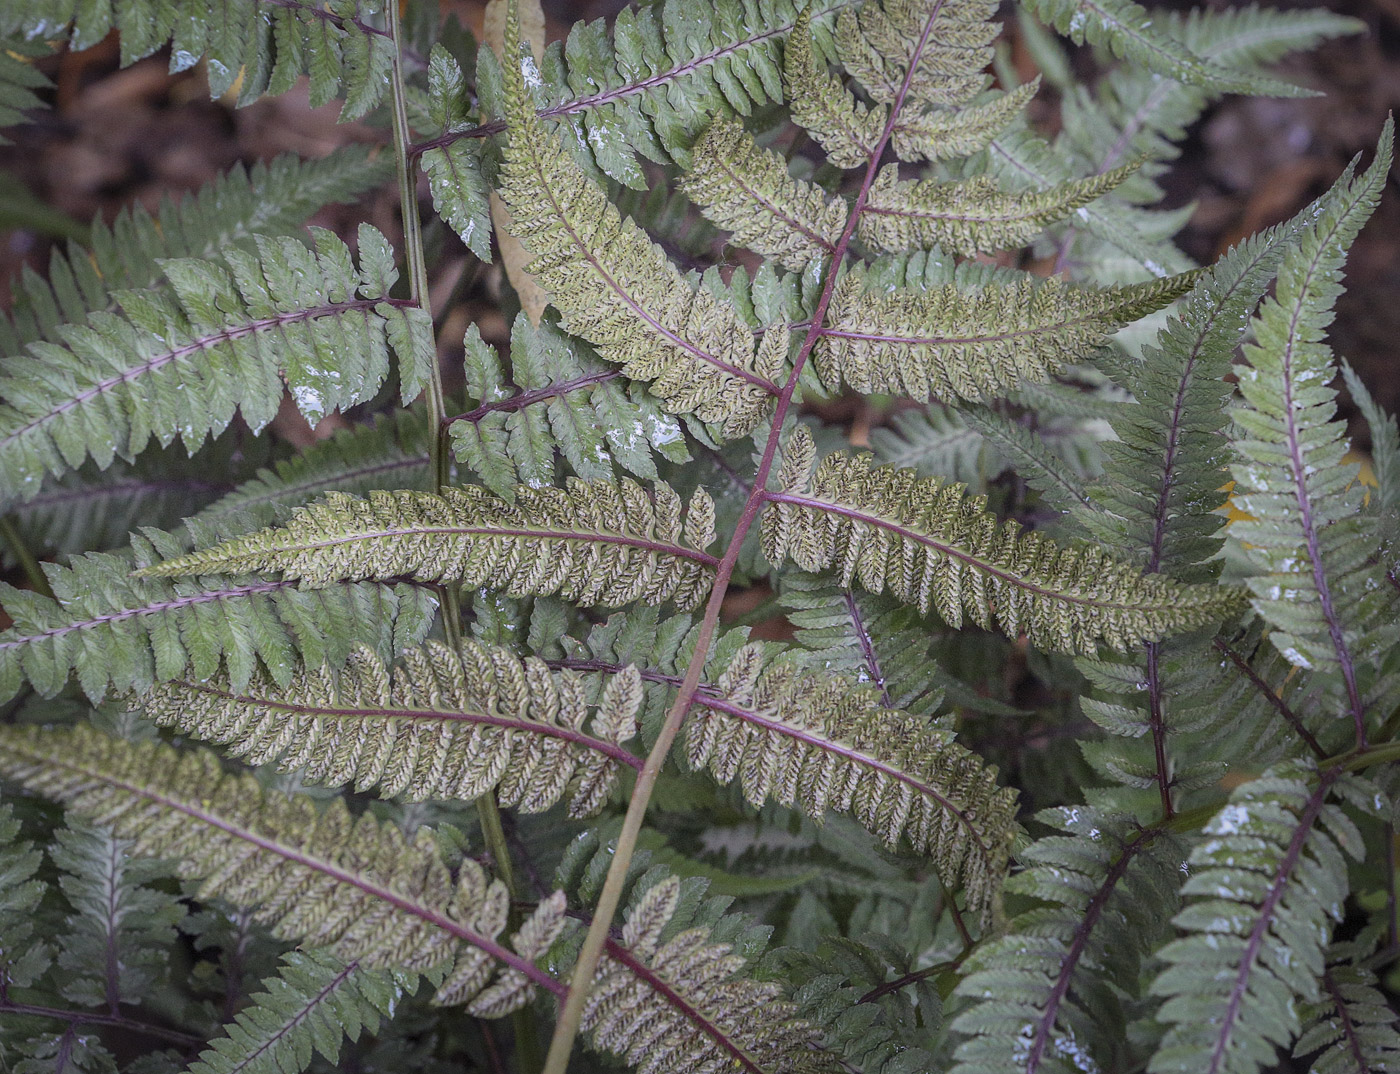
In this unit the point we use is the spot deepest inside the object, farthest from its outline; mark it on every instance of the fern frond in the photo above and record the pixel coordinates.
(667, 70)
(24, 956)
(1049, 995)
(934, 546)
(260, 48)
(313, 1003)
(456, 177)
(947, 134)
(935, 441)
(19, 78)
(1351, 1024)
(720, 1020)
(817, 743)
(948, 44)
(747, 191)
(1264, 889)
(845, 127)
(360, 889)
(615, 288)
(1316, 586)
(388, 453)
(593, 543)
(950, 342)
(185, 363)
(872, 639)
(119, 633)
(119, 937)
(1126, 29)
(972, 216)
(564, 400)
(439, 725)
(266, 199)
(1056, 458)
(1159, 498)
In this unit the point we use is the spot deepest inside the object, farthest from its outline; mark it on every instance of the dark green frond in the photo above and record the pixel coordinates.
(117, 632)
(1352, 1025)
(1265, 888)
(439, 725)
(935, 546)
(227, 339)
(313, 1003)
(561, 399)
(593, 543)
(266, 199)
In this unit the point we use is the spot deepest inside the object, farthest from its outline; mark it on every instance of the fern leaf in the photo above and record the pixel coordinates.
(185, 363)
(24, 957)
(814, 742)
(19, 78)
(258, 48)
(1049, 995)
(614, 287)
(935, 546)
(1264, 889)
(720, 1020)
(565, 400)
(949, 342)
(1352, 1025)
(120, 934)
(312, 1004)
(440, 725)
(593, 543)
(972, 216)
(847, 128)
(747, 191)
(1314, 586)
(946, 134)
(667, 70)
(1125, 28)
(389, 453)
(1056, 466)
(949, 46)
(266, 199)
(935, 441)
(121, 633)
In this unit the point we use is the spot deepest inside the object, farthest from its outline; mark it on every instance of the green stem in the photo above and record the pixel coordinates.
(27, 562)
(527, 1047)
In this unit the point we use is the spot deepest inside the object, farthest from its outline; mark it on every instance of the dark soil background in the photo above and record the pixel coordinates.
(115, 136)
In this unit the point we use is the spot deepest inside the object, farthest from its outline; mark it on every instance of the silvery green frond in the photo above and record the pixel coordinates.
(388, 453)
(1316, 584)
(24, 956)
(948, 43)
(1127, 30)
(1265, 889)
(265, 199)
(846, 128)
(308, 1009)
(227, 338)
(1055, 992)
(747, 191)
(820, 743)
(257, 49)
(614, 287)
(439, 725)
(1352, 1025)
(116, 632)
(719, 1019)
(953, 341)
(360, 889)
(592, 543)
(933, 545)
(559, 399)
(971, 216)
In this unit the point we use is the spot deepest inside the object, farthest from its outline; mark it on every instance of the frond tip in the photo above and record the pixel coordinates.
(934, 545)
(442, 725)
(594, 543)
